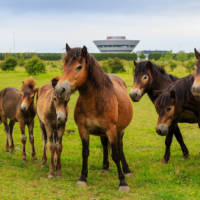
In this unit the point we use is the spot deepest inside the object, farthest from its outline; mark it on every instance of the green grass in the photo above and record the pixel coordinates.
(180, 179)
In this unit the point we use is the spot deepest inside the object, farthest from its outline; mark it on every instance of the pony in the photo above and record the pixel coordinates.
(18, 106)
(103, 108)
(52, 112)
(152, 79)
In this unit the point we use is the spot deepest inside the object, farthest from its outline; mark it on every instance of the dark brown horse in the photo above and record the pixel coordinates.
(18, 106)
(103, 108)
(151, 79)
(196, 85)
(177, 104)
(52, 113)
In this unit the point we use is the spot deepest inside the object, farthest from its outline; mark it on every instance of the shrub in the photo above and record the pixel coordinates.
(9, 64)
(113, 65)
(172, 65)
(123, 56)
(154, 56)
(142, 55)
(189, 65)
(21, 61)
(53, 65)
(35, 66)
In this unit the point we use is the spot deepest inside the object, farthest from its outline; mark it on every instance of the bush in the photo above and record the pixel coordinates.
(154, 56)
(9, 64)
(123, 56)
(190, 65)
(35, 66)
(21, 61)
(113, 65)
(172, 65)
(142, 55)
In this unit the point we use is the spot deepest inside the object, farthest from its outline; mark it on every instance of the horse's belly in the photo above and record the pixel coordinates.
(188, 116)
(94, 128)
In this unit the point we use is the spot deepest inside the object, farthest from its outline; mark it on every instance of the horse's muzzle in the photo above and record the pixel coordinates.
(195, 89)
(162, 129)
(63, 90)
(135, 94)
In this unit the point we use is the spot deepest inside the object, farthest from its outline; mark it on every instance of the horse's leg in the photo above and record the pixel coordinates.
(104, 142)
(23, 139)
(44, 138)
(59, 150)
(85, 153)
(11, 126)
(114, 141)
(6, 129)
(168, 141)
(125, 166)
(31, 139)
(179, 138)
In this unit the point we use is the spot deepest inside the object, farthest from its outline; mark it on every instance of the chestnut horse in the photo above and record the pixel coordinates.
(177, 104)
(52, 112)
(196, 85)
(18, 106)
(103, 108)
(152, 79)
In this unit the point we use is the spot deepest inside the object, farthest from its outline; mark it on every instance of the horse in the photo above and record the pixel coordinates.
(52, 112)
(196, 85)
(103, 108)
(152, 79)
(18, 106)
(177, 104)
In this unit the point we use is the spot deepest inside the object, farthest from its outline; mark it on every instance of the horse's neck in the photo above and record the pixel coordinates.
(160, 82)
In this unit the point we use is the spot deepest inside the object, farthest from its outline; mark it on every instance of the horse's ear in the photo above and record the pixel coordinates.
(135, 63)
(54, 81)
(197, 54)
(67, 47)
(84, 52)
(173, 95)
(149, 65)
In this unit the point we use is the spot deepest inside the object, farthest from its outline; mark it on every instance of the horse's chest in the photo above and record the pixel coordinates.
(94, 126)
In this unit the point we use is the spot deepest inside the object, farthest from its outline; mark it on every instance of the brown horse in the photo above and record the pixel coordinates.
(52, 112)
(103, 108)
(177, 104)
(196, 85)
(152, 79)
(18, 106)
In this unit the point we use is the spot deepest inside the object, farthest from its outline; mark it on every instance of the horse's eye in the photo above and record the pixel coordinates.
(79, 68)
(54, 98)
(145, 77)
(169, 109)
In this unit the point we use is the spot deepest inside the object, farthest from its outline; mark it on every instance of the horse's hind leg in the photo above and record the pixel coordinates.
(44, 138)
(11, 126)
(168, 141)
(179, 138)
(104, 142)
(31, 139)
(6, 129)
(125, 166)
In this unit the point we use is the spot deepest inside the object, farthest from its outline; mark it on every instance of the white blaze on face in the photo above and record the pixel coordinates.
(24, 106)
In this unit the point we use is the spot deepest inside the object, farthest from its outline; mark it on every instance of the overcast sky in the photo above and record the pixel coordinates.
(46, 25)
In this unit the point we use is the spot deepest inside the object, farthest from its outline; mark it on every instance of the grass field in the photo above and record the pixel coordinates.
(180, 179)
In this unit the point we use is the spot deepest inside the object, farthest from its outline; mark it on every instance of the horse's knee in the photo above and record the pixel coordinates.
(23, 139)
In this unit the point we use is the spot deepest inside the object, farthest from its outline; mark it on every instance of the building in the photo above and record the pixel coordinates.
(147, 52)
(116, 44)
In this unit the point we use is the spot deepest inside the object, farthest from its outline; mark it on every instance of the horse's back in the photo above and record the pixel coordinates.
(125, 110)
(9, 100)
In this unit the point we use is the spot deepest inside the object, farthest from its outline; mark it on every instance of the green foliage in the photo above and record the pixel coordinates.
(167, 55)
(154, 56)
(142, 55)
(113, 65)
(172, 65)
(123, 56)
(21, 60)
(35, 66)
(189, 65)
(181, 56)
(9, 64)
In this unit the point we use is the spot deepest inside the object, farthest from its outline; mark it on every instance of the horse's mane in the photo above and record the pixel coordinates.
(97, 77)
(182, 92)
(30, 83)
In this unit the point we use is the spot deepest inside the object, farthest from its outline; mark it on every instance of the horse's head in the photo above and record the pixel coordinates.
(142, 79)
(196, 84)
(28, 91)
(165, 107)
(75, 72)
(60, 103)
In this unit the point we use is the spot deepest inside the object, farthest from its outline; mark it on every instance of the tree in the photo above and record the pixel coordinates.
(142, 55)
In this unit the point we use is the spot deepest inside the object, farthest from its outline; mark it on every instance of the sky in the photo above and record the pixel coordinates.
(46, 25)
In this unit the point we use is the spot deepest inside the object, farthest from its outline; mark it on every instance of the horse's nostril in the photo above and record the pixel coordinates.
(63, 90)
(158, 131)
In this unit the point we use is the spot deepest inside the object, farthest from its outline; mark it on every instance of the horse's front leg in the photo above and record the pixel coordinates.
(85, 153)
(168, 142)
(104, 142)
(23, 139)
(31, 139)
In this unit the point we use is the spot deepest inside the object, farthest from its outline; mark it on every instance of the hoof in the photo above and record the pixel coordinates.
(164, 161)
(50, 176)
(104, 170)
(125, 189)
(23, 159)
(186, 156)
(58, 174)
(128, 174)
(81, 183)
(7, 152)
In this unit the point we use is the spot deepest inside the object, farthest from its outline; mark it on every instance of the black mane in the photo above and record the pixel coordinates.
(97, 77)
